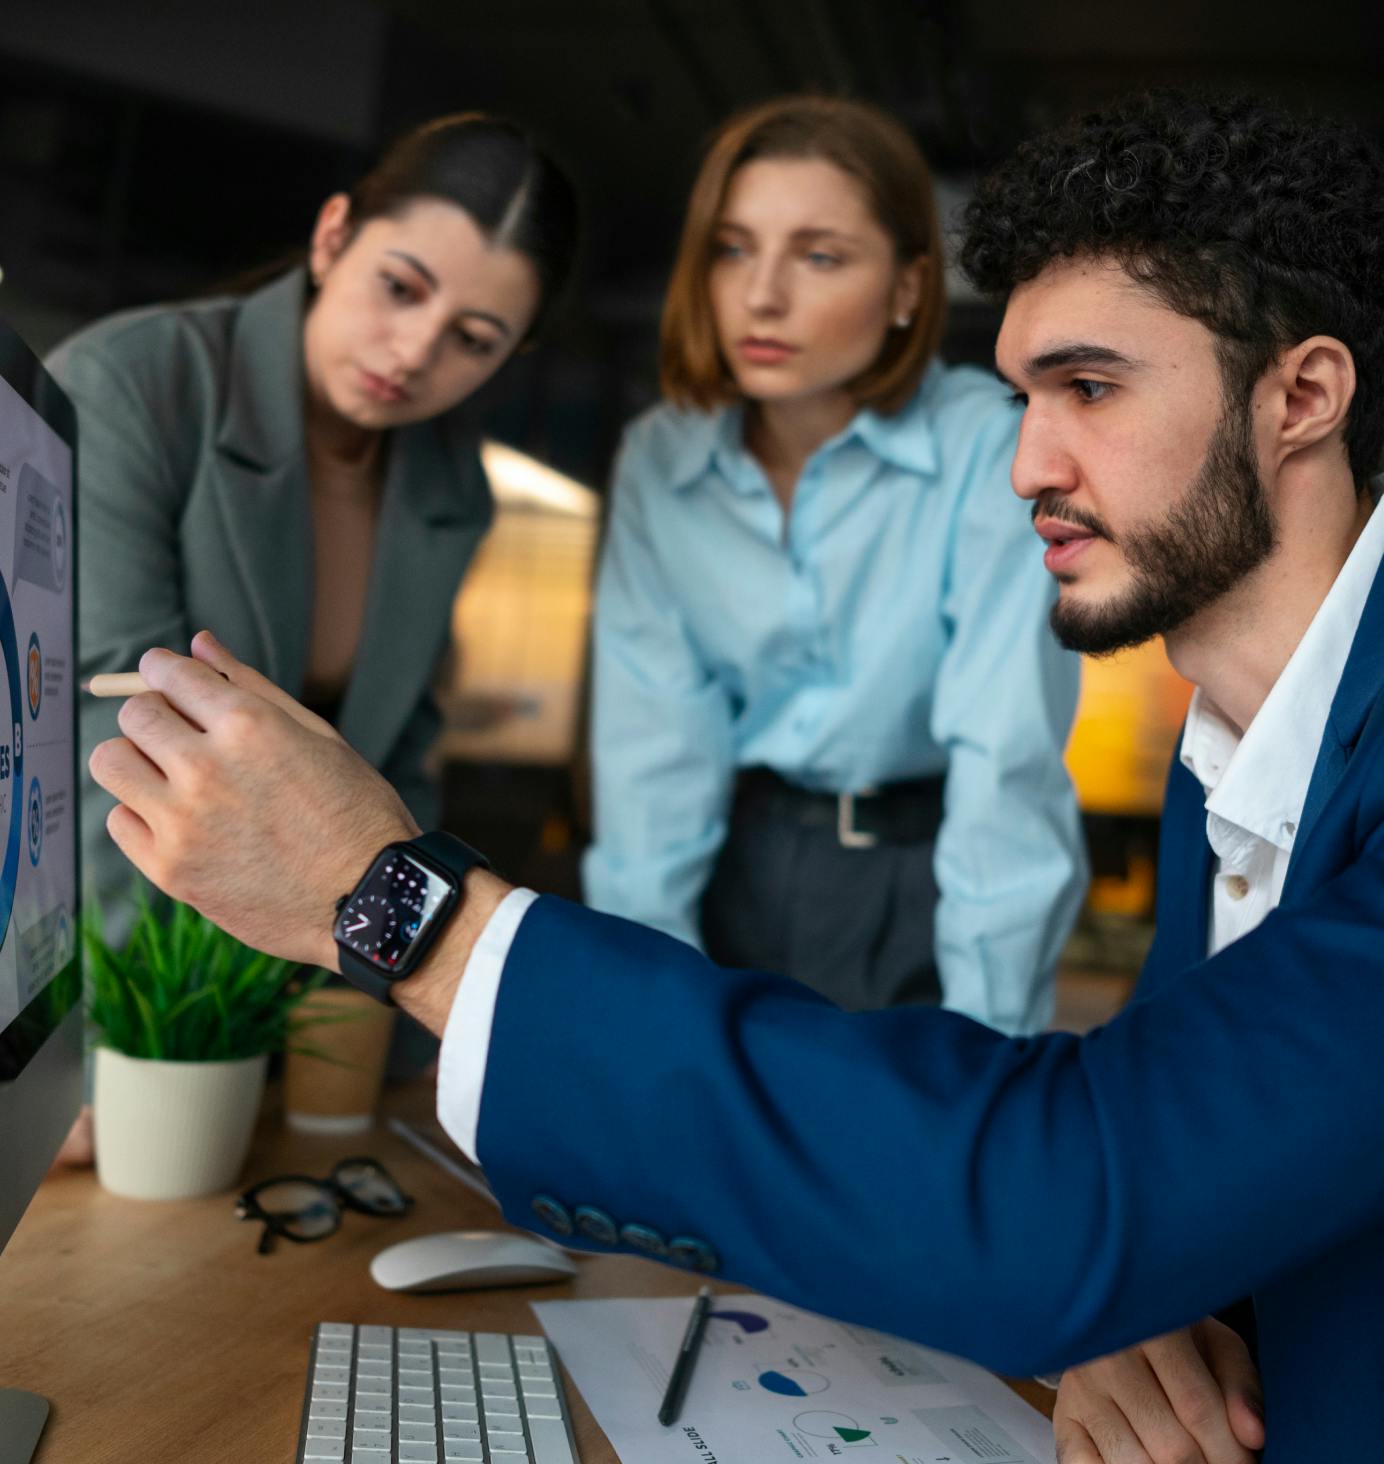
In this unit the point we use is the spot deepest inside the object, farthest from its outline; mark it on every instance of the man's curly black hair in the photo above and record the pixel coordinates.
(1266, 227)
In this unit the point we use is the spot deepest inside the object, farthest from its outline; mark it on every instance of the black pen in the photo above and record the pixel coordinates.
(671, 1406)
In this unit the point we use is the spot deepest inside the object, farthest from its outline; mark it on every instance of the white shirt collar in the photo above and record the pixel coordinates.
(1258, 783)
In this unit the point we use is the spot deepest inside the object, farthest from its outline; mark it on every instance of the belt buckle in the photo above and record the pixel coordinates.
(847, 835)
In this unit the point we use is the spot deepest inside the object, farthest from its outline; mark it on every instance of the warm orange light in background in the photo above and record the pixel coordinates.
(1127, 723)
(519, 626)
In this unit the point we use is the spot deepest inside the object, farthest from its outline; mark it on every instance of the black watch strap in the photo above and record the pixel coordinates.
(363, 975)
(451, 857)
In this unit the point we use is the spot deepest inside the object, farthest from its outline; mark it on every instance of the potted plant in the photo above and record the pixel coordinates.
(184, 1018)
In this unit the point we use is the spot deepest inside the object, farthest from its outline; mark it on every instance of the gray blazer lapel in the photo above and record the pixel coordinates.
(260, 475)
(436, 509)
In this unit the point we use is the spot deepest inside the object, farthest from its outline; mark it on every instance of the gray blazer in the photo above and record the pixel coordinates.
(193, 511)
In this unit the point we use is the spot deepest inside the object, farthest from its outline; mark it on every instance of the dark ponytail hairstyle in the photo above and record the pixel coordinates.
(491, 169)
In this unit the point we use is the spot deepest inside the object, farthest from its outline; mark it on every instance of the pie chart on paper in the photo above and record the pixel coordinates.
(824, 1425)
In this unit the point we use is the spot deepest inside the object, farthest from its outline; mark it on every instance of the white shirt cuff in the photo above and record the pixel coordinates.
(466, 1041)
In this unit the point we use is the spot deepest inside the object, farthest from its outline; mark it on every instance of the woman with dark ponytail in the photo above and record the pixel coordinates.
(291, 467)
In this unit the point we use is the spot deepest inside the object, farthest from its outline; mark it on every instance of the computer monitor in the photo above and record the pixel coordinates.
(40, 980)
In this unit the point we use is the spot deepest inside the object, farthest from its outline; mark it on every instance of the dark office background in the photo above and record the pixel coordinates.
(151, 148)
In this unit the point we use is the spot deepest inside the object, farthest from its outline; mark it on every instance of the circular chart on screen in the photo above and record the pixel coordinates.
(11, 759)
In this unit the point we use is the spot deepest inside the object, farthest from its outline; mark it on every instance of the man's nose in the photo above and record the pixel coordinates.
(1041, 461)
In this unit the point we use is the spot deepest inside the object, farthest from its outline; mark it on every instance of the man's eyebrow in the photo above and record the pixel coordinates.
(431, 278)
(1079, 354)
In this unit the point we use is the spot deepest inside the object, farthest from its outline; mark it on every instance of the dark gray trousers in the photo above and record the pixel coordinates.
(854, 924)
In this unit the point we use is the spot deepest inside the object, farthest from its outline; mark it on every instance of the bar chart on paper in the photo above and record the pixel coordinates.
(777, 1383)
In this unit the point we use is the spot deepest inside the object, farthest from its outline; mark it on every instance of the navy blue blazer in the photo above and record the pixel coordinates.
(1029, 1203)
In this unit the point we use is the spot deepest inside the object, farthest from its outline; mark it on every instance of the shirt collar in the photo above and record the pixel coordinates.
(1259, 782)
(905, 439)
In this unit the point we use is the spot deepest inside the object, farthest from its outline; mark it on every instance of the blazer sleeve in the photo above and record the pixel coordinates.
(130, 498)
(1010, 861)
(1026, 1202)
(663, 755)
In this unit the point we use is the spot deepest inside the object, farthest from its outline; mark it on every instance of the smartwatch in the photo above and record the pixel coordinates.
(385, 926)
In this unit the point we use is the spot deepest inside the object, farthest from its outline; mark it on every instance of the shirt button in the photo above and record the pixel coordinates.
(1236, 886)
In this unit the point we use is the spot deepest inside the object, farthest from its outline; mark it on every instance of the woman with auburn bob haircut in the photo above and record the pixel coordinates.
(829, 716)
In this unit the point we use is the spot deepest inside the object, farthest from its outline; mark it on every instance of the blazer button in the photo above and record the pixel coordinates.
(692, 1254)
(553, 1214)
(595, 1225)
(645, 1239)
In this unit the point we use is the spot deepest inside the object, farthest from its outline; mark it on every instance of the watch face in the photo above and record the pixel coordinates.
(391, 910)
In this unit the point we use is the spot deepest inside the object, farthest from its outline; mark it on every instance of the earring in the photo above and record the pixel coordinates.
(903, 321)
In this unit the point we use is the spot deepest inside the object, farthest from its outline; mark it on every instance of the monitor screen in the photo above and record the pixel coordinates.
(40, 983)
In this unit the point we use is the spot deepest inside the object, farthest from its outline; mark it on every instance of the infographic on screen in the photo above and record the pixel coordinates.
(37, 796)
(773, 1382)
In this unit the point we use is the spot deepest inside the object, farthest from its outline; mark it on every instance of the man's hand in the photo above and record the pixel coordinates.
(237, 800)
(1191, 1397)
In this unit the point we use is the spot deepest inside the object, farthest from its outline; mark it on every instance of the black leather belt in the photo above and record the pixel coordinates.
(896, 813)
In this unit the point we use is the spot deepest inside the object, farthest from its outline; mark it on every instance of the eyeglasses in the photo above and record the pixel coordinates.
(302, 1209)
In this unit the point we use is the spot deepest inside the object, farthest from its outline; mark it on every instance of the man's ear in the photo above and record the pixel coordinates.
(330, 235)
(1313, 385)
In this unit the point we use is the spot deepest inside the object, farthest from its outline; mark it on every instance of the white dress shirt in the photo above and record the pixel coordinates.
(1255, 785)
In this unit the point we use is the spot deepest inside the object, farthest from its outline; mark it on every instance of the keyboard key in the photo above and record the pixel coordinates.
(460, 1413)
(324, 1449)
(550, 1442)
(326, 1410)
(326, 1428)
(492, 1347)
(455, 1428)
(372, 1456)
(542, 1408)
(462, 1452)
(370, 1438)
(417, 1413)
(417, 1454)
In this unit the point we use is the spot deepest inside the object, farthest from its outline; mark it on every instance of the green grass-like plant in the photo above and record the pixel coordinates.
(180, 989)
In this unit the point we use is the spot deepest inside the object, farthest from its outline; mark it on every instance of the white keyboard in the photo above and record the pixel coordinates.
(416, 1395)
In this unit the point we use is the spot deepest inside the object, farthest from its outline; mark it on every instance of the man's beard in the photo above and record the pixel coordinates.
(1218, 532)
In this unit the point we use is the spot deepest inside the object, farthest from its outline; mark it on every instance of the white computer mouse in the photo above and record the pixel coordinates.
(464, 1260)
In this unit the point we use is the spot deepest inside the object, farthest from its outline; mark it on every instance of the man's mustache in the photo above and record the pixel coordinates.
(1054, 506)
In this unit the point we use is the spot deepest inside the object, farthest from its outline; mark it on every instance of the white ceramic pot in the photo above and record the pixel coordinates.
(167, 1130)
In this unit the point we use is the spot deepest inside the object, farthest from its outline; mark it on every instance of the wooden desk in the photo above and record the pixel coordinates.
(159, 1336)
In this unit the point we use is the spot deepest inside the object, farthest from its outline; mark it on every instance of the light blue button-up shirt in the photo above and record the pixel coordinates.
(892, 625)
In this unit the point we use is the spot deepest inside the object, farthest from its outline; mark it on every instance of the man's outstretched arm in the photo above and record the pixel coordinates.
(1029, 1203)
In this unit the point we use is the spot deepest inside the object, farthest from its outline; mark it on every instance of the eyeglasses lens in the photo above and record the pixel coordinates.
(371, 1187)
(307, 1210)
